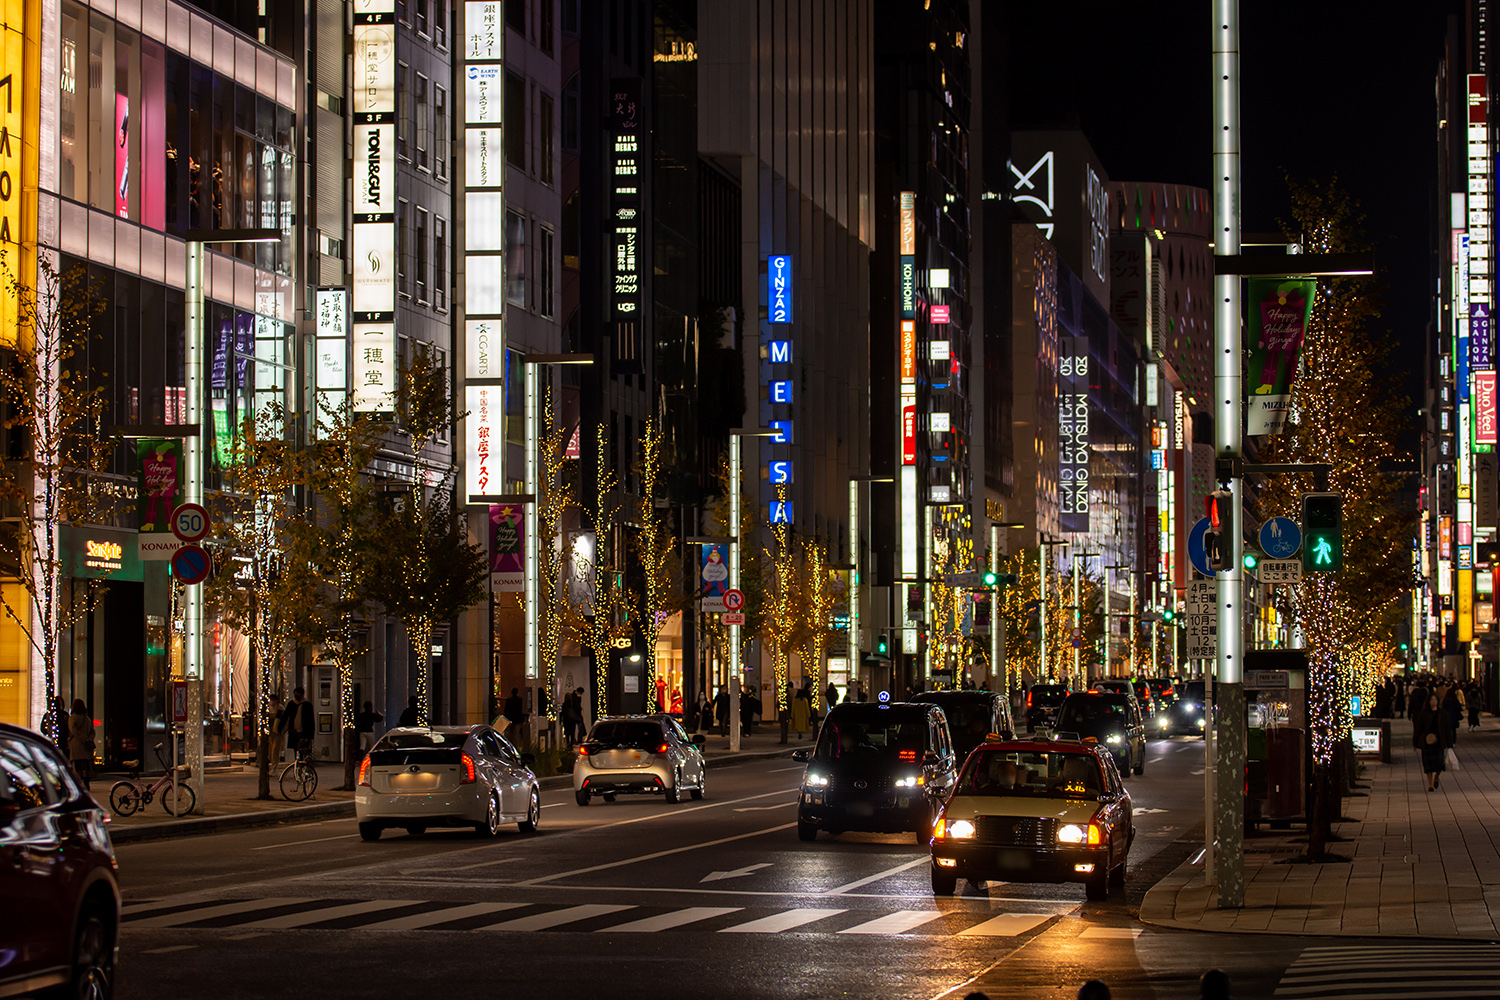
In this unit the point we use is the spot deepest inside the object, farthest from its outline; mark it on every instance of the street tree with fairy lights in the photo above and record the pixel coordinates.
(558, 486)
(53, 409)
(660, 593)
(606, 617)
(1024, 617)
(757, 575)
(1346, 411)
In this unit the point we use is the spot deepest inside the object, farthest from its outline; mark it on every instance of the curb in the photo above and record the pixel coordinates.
(336, 810)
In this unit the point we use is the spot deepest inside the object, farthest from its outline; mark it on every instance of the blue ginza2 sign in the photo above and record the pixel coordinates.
(1280, 538)
(779, 287)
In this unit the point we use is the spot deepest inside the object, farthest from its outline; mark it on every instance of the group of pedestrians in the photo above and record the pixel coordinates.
(1406, 696)
(1438, 707)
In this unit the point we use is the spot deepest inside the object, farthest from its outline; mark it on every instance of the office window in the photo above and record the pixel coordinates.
(401, 269)
(570, 17)
(440, 362)
(515, 16)
(544, 139)
(515, 117)
(515, 258)
(543, 271)
(439, 263)
(544, 32)
(570, 114)
(403, 112)
(441, 148)
(420, 238)
(440, 23)
(423, 125)
(420, 11)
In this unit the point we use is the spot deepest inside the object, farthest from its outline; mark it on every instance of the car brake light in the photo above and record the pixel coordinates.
(663, 748)
(468, 762)
(364, 771)
(583, 751)
(908, 755)
(1028, 699)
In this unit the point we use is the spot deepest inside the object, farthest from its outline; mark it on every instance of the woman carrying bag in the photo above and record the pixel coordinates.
(1432, 734)
(81, 741)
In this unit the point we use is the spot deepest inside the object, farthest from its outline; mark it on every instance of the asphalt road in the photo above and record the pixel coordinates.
(640, 899)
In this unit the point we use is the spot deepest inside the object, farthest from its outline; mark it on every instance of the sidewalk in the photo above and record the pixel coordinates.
(229, 802)
(1423, 864)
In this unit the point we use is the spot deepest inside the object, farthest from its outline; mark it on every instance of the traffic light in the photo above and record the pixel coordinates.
(1322, 532)
(1169, 616)
(882, 645)
(991, 578)
(1251, 560)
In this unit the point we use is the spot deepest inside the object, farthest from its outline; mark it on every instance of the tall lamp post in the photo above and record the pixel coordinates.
(1077, 614)
(997, 620)
(1041, 591)
(856, 510)
(735, 671)
(192, 474)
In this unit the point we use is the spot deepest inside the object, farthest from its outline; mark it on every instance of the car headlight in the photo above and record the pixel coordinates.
(1162, 722)
(816, 781)
(1114, 738)
(1078, 833)
(910, 782)
(1201, 723)
(961, 830)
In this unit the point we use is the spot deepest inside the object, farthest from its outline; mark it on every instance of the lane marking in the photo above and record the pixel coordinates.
(299, 843)
(654, 856)
(861, 883)
(799, 767)
(467, 868)
(778, 922)
(680, 812)
(894, 923)
(169, 949)
(222, 910)
(556, 918)
(1007, 925)
(667, 921)
(736, 873)
(756, 809)
(417, 921)
(1110, 933)
(289, 920)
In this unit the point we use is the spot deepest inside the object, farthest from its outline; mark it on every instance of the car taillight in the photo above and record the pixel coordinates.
(1028, 699)
(468, 763)
(364, 771)
(583, 751)
(663, 748)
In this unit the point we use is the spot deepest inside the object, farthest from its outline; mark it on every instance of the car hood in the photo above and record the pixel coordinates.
(1060, 809)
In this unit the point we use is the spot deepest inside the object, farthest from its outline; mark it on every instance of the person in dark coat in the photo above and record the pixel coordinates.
(1473, 696)
(514, 714)
(409, 714)
(1416, 700)
(749, 705)
(1454, 706)
(1432, 733)
(365, 723)
(299, 721)
(81, 741)
(721, 710)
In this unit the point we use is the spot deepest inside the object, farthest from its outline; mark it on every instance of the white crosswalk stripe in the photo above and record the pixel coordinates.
(894, 923)
(1006, 925)
(416, 921)
(289, 920)
(221, 910)
(1453, 970)
(667, 921)
(784, 921)
(556, 918)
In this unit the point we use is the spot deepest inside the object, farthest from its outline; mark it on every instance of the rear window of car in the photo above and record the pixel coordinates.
(396, 749)
(1031, 773)
(967, 716)
(1049, 693)
(1089, 711)
(628, 734)
(871, 732)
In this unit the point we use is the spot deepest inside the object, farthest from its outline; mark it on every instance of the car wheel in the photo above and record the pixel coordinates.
(1141, 767)
(491, 825)
(581, 797)
(369, 831)
(1117, 875)
(1098, 885)
(672, 795)
(533, 813)
(698, 792)
(93, 956)
(806, 831)
(416, 829)
(943, 883)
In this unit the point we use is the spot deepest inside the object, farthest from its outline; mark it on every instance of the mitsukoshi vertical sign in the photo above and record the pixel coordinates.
(1073, 433)
(373, 331)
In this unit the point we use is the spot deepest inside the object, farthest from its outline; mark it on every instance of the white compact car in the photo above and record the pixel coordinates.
(638, 753)
(417, 777)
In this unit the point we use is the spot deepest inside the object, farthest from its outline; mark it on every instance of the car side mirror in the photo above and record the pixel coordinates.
(930, 759)
(803, 754)
(528, 759)
(698, 739)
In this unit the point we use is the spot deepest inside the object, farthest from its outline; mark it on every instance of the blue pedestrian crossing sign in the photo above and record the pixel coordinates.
(1197, 551)
(1280, 538)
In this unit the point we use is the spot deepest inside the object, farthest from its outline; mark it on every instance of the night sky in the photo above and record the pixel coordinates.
(1329, 87)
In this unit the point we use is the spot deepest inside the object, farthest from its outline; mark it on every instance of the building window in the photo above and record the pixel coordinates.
(570, 232)
(401, 269)
(545, 31)
(543, 271)
(515, 258)
(515, 16)
(423, 124)
(515, 117)
(440, 23)
(403, 112)
(544, 138)
(570, 114)
(439, 263)
(421, 247)
(570, 17)
(440, 144)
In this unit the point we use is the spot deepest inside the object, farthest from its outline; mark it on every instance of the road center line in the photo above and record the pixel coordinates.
(299, 843)
(860, 883)
(656, 854)
(678, 812)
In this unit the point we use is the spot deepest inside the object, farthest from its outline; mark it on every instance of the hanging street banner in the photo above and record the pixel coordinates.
(1279, 314)
(158, 491)
(713, 577)
(507, 572)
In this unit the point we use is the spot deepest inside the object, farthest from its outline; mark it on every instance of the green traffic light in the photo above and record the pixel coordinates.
(1168, 615)
(1251, 560)
(990, 577)
(881, 646)
(1323, 533)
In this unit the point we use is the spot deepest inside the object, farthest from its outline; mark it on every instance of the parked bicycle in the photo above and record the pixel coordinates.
(129, 795)
(299, 779)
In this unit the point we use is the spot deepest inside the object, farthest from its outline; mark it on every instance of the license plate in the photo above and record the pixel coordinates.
(409, 782)
(861, 809)
(636, 756)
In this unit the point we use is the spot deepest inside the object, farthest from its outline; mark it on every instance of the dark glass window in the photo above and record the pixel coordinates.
(515, 118)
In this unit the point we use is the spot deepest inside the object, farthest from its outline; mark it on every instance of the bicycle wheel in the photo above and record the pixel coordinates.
(184, 802)
(125, 798)
(298, 781)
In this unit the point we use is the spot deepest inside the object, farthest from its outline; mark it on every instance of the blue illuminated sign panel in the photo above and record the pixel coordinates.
(779, 287)
(780, 473)
(781, 512)
(783, 429)
(780, 352)
(781, 392)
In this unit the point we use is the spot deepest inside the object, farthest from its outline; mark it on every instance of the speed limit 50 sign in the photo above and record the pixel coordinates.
(190, 522)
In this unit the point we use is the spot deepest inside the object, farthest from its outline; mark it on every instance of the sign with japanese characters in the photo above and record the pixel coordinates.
(1278, 571)
(1202, 619)
(628, 257)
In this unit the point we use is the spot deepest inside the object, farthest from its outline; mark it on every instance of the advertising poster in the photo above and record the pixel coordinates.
(713, 576)
(1279, 314)
(507, 572)
(122, 156)
(159, 483)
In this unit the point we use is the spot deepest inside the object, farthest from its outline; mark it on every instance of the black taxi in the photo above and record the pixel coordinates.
(1035, 811)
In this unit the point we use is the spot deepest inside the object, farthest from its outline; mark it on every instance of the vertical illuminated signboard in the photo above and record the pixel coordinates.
(779, 288)
(778, 293)
(484, 244)
(332, 377)
(1073, 433)
(14, 80)
(373, 333)
(907, 245)
(625, 197)
(1484, 408)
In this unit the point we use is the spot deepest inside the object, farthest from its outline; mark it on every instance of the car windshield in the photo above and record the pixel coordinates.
(875, 733)
(1193, 692)
(1090, 712)
(1031, 773)
(626, 733)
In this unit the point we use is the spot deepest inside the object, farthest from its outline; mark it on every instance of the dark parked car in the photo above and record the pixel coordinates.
(877, 766)
(972, 716)
(1042, 703)
(60, 915)
(1113, 720)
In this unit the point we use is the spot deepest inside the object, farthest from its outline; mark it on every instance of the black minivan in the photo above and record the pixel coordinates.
(972, 716)
(877, 766)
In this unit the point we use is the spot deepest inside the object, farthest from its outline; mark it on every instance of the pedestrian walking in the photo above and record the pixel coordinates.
(1453, 704)
(580, 721)
(1416, 699)
(749, 707)
(409, 715)
(831, 696)
(704, 720)
(1473, 705)
(365, 723)
(299, 722)
(278, 731)
(801, 712)
(1432, 734)
(567, 714)
(60, 717)
(721, 709)
(513, 714)
(81, 741)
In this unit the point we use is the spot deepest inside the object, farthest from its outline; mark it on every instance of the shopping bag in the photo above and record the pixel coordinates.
(1451, 760)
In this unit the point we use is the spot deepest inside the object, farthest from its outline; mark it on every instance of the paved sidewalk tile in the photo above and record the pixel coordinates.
(1422, 864)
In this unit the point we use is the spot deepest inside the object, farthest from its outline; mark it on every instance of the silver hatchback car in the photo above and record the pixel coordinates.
(638, 753)
(417, 777)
